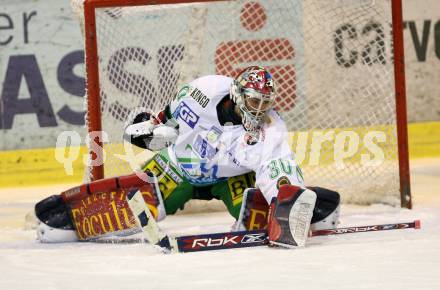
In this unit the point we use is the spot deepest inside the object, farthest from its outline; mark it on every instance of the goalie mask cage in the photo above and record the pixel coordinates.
(338, 65)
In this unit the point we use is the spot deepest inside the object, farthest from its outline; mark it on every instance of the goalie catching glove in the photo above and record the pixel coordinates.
(152, 131)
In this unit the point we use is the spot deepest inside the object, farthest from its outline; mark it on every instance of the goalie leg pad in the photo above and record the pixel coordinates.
(327, 209)
(48, 234)
(290, 214)
(329, 222)
(53, 221)
(100, 211)
(253, 212)
(53, 212)
(107, 213)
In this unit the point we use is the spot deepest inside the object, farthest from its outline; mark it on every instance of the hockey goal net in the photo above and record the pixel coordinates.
(338, 65)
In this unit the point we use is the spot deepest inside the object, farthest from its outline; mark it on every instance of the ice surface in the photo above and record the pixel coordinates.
(400, 259)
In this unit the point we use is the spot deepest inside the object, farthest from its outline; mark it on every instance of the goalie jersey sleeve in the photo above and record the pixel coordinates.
(207, 152)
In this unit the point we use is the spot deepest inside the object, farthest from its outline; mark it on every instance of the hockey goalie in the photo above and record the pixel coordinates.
(220, 138)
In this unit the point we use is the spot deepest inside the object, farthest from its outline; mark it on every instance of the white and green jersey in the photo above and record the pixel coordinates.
(207, 152)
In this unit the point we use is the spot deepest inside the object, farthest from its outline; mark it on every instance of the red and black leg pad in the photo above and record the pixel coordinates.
(255, 210)
(290, 214)
(278, 223)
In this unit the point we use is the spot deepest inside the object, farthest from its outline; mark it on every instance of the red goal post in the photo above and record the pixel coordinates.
(303, 60)
(92, 71)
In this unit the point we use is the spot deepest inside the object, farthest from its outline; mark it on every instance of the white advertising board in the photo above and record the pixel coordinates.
(41, 69)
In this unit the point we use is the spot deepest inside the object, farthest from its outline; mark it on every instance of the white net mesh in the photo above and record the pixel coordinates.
(332, 61)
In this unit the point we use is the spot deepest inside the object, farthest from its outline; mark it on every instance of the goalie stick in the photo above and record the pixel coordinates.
(232, 240)
(147, 223)
(227, 240)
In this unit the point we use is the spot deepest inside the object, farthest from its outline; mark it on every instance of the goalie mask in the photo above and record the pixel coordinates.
(253, 91)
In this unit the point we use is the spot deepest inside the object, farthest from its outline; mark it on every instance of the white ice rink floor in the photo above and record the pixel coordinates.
(400, 259)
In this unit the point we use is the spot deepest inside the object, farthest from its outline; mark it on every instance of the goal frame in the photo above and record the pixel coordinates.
(94, 99)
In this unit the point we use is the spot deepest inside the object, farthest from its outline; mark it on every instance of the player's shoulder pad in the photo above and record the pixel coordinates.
(213, 85)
